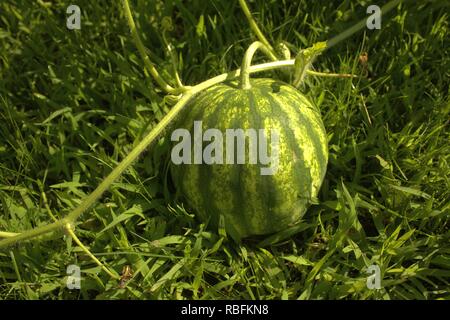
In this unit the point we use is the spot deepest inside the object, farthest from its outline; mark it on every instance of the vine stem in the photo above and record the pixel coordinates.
(147, 62)
(32, 233)
(256, 30)
(246, 62)
(331, 75)
(360, 25)
(129, 159)
(4, 234)
(69, 230)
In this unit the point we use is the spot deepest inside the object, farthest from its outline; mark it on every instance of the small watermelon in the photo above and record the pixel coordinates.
(217, 183)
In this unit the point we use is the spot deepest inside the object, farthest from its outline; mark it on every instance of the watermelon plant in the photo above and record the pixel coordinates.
(237, 197)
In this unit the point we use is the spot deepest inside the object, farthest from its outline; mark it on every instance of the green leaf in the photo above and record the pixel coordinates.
(412, 191)
(200, 29)
(304, 59)
(135, 210)
(298, 260)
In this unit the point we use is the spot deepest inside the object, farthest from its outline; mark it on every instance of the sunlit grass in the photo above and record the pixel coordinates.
(73, 103)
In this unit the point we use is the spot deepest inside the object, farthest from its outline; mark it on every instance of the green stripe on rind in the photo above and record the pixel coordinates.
(190, 176)
(308, 137)
(219, 199)
(293, 179)
(236, 218)
(261, 185)
(317, 133)
(311, 119)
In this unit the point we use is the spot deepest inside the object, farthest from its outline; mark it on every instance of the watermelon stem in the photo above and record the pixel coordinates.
(246, 62)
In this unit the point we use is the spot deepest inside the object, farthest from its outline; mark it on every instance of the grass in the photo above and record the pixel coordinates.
(74, 103)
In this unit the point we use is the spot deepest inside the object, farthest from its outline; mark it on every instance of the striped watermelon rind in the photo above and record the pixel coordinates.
(251, 203)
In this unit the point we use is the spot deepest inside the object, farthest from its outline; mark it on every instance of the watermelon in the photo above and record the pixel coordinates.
(250, 202)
